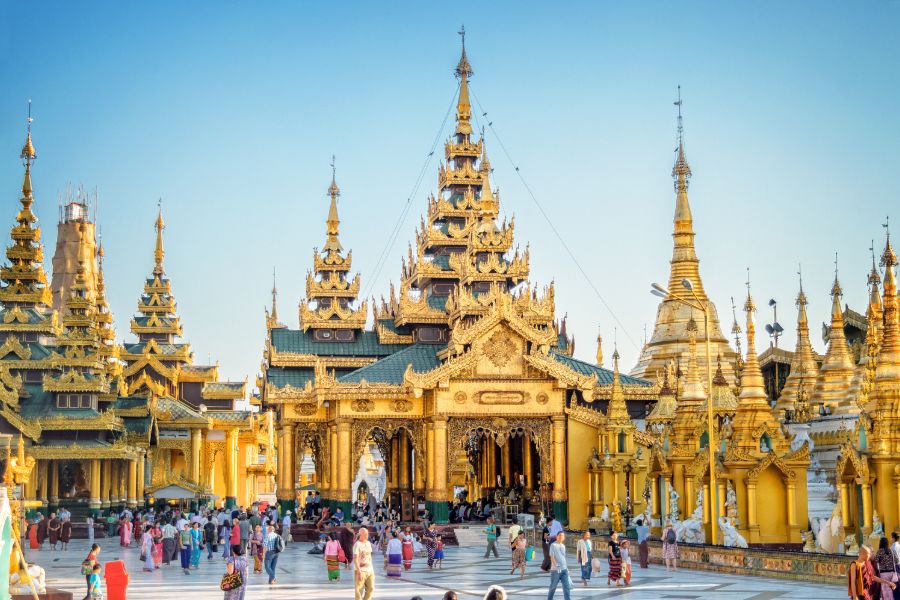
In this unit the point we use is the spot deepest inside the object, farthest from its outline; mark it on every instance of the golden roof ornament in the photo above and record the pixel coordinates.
(599, 350)
(463, 72)
(753, 393)
(836, 373)
(159, 253)
(887, 376)
(803, 363)
(332, 244)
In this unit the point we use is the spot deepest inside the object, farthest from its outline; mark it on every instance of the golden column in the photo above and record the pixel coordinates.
(43, 470)
(395, 463)
(280, 466)
(290, 470)
(196, 446)
(105, 483)
(345, 474)
(404, 460)
(231, 474)
(121, 482)
(526, 461)
(506, 462)
(560, 507)
(53, 479)
(132, 482)
(438, 501)
(141, 463)
(335, 458)
(95, 502)
(429, 462)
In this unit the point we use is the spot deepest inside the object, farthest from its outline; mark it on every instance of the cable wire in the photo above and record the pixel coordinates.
(562, 241)
(401, 219)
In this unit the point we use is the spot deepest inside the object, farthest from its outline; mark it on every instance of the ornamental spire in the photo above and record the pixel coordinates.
(159, 253)
(333, 222)
(693, 392)
(617, 411)
(28, 155)
(685, 264)
(599, 350)
(836, 373)
(753, 392)
(887, 377)
(274, 298)
(463, 108)
(803, 371)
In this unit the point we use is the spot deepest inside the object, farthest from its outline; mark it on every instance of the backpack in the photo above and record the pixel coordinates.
(670, 536)
(278, 546)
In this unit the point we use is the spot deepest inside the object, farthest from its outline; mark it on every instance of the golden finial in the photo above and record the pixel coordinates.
(28, 153)
(874, 276)
(158, 254)
(681, 171)
(463, 108)
(801, 296)
(599, 349)
(888, 257)
(836, 288)
(274, 298)
(333, 222)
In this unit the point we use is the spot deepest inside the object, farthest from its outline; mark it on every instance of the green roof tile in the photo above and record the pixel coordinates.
(604, 376)
(365, 344)
(281, 377)
(422, 357)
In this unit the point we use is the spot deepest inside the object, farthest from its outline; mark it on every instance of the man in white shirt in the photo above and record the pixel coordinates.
(559, 570)
(364, 580)
(514, 530)
(286, 527)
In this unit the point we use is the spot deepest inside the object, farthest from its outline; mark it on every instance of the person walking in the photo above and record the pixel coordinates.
(237, 563)
(407, 541)
(559, 570)
(87, 567)
(513, 533)
(156, 540)
(184, 548)
(643, 534)
(519, 546)
(147, 549)
(546, 540)
(210, 537)
(364, 577)
(65, 532)
(286, 528)
(274, 545)
(89, 522)
(332, 558)
(615, 560)
(196, 544)
(95, 587)
(670, 546)
(258, 549)
(245, 529)
(394, 552)
(584, 554)
(492, 531)
(429, 540)
(53, 529)
(346, 537)
(884, 560)
(169, 545)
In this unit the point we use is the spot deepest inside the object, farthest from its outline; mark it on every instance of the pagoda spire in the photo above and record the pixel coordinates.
(693, 392)
(599, 350)
(803, 364)
(887, 374)
(274, 298)
(24, 282)
(159, 253)
(333, 222)
(685, 264)
(617, 411)
(836, 373)
(753, 391)
(463, 108)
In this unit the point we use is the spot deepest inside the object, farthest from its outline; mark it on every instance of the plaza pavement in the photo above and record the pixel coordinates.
(301, 575)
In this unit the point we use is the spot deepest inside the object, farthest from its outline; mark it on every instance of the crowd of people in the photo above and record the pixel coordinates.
(875, 574)
(55, 529)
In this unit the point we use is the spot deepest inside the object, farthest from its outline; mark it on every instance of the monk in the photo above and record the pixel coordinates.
(41, 530)
(53, 529)
(65, 533)
(33, 537)
(346, 537)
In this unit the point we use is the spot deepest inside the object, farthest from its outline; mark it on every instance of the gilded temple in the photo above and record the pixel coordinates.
(113, 425)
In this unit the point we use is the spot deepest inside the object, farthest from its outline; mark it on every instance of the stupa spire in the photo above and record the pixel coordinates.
(333, 222)
(463, 72)
(753, 391)
(836, 373)
(692, 392)
(803, 364)
(887, 374)
(617, 411)
(159, 253)
(599, 350)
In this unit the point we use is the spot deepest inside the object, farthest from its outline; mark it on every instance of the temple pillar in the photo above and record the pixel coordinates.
(752, 521)
(707, 504)
(141, 464)
(280, 465)
(288, 498)
(437, 503)
(526, 460)
(122, 482)
(560, 498)
(721, 498)
(132, 483)
(404, 460)
(690, 497)
(94, 502)
(615, 486)
(667, 486)
(231, 451)
(429, 463)
(105, 483)
(506, 461)
(196, 446)
(335, 458)
(845, 504)
(867, 508)
(53, 480)
(345, 468)
(791, 506)
(43, 483)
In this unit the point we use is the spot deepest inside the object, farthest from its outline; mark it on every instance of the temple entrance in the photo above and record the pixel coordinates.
(504, 471)
(396, 477)
(73, 480)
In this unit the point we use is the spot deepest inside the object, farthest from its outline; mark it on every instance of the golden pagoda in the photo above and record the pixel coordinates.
(670, 333)
(75, 237)
(836, 372)
(804, 370)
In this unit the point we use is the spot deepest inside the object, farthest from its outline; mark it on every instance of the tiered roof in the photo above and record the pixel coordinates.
(836, 373)
(329, 293)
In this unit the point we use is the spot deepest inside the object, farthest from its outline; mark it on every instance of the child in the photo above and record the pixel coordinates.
(95, 592)
(439, 553)
(626, 561)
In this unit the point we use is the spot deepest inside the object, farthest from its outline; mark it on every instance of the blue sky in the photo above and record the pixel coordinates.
(230, 113)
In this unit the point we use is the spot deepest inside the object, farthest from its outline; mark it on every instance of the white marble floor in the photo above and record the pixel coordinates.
(301, 575)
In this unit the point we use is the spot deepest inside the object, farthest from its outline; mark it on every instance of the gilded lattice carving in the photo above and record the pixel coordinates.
(499, 348)
(771, 459)
(362, 405)
(312, 436)
(500, 428)
(361, 430)
(401, 405)
(307, 408)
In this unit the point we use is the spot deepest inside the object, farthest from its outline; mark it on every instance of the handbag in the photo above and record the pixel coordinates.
(87, 568)
(231, 581)
(596, 565)
(342, 556)
(529, 553)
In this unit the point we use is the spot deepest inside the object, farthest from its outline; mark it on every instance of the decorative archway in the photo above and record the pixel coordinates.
(499, 430)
